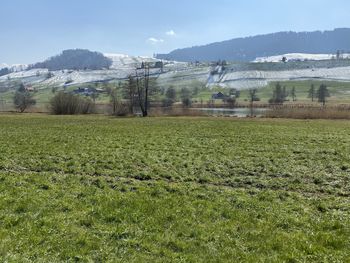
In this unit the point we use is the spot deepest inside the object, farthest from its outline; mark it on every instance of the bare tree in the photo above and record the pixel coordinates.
(94, 96)
(114, 100)
(293, 94)
(312, 92)
(129, 90)
(143, 87)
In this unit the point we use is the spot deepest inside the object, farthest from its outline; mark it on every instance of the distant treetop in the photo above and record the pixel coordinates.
(75, 59)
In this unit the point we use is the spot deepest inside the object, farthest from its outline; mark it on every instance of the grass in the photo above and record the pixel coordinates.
(332, 113)
(101, 189)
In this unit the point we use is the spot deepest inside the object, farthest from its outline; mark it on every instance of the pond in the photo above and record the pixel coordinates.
(237, 112)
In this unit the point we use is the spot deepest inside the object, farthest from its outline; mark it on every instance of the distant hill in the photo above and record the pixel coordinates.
(249, 48)
(75, 59)
(7, 69)
(4, 71)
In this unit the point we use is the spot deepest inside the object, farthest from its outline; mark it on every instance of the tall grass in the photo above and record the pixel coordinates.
(309, 113)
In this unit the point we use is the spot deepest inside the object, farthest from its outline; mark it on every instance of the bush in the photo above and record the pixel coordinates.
(167, 102)
(231, 102)
(70, 104)
(120, 109)
(186, 97)
(187, 102)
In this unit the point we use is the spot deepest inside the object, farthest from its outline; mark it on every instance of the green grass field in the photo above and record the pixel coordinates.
(339, 91)
(99, 189)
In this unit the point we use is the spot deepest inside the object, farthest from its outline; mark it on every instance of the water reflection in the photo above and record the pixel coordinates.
(238, 112)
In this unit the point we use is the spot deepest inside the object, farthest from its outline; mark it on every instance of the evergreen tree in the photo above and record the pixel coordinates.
(293, 94)
(323, 94)
(279, 94)
(312, 92)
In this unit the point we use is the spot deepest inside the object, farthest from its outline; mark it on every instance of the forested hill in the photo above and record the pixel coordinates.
(249, 48)
(76, 59)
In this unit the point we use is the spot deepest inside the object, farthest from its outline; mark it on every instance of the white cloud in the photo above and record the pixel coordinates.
(171, 33)
(154, 40)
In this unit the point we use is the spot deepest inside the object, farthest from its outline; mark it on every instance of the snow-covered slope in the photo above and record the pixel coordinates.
(298, 57)
(3, 65)
(19, 67)
(236, 76)
(120, 70)
(121, 61)
(15, 67)
(256, 79)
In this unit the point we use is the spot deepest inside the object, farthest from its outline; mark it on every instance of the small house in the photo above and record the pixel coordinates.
(218, 96)
(29, 88)
(84, 91)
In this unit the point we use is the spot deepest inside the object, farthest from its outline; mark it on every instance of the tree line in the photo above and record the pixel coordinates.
(280, 94)
(136, 93)
(75, 59)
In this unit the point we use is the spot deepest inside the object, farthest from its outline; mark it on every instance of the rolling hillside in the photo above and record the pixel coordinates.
(250, 48)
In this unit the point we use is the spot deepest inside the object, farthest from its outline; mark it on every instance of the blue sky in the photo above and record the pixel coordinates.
(32, 30)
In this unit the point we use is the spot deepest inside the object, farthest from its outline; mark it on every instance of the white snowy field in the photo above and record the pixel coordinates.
(251, 79)
(238, 79)
(178, 72)
(298, 56)
(121, 61)
(122, 67)
(59, 78)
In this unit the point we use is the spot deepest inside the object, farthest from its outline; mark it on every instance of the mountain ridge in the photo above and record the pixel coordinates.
(264, 45)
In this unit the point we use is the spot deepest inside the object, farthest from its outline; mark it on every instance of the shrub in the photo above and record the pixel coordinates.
(167, 102)
(121, 109)
(69, 104)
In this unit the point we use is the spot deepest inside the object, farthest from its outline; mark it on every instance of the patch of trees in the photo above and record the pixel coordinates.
(69, 104)
(75, 59)
(186, 97)
(170, 97)
(293, 94)
(279, 95)
(119, 107)
(321, 94)
(4, 71)
(23, 99)
(140, 88)
(137, 93)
